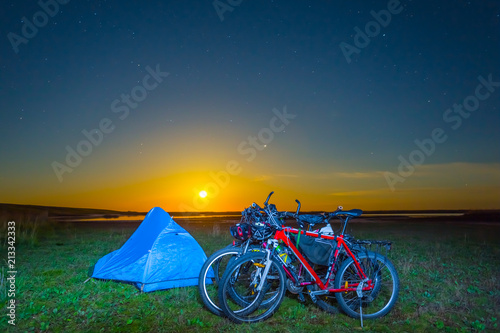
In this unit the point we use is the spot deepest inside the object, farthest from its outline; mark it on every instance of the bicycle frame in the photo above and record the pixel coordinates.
(282, 235)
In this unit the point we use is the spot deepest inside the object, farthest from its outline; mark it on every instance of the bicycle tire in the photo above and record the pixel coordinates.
(207, 286)
(241, 278)
(376, 302)
(329, 302)
(208, 293)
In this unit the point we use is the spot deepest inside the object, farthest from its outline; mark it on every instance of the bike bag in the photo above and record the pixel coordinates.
(316, 250)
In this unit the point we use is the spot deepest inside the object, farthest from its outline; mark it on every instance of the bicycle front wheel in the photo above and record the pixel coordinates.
(210, 275)
(212, 271)
(238, 295)
(373, 303)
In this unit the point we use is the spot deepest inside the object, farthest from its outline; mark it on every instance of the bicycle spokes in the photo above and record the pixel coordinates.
(373, 296)
(239, 294)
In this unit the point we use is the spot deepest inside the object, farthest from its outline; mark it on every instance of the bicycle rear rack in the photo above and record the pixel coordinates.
(374, 245)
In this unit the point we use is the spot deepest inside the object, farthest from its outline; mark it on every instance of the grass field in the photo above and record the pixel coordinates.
(449, 272)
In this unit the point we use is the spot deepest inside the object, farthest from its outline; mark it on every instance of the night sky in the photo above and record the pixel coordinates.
(134, 104)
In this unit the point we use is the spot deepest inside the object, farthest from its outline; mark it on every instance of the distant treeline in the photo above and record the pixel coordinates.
(15, 210)
(11, 211)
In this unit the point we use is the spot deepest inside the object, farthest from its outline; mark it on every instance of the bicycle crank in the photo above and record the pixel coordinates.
(292, 287)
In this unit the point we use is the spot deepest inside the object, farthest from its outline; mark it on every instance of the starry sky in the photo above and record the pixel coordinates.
(367, 104)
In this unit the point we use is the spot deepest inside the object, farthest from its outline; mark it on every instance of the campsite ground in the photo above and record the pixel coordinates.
(450, 281)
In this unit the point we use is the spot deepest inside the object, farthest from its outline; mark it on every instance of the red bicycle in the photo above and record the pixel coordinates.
(364, 283)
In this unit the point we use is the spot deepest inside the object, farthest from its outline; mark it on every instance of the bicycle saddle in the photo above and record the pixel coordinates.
(352, 212)
(311, 219)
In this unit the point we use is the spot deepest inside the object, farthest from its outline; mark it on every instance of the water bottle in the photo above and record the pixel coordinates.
(283, 254)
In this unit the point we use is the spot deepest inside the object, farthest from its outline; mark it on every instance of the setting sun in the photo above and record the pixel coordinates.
(203, 194)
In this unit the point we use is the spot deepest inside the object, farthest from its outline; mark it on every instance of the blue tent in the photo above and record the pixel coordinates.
(159, 255)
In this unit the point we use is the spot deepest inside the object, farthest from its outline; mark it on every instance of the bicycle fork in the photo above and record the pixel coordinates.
(267, 265)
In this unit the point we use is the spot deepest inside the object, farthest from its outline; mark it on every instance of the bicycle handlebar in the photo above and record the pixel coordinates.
(273, 215)
(298, 206)
(268, 197)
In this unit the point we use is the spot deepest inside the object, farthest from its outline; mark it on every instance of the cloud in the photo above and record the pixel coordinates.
(359, 175)
(347, 175)
(426, 170)
(454, 175)
(358, 193)
(262, 178)
(492, 169)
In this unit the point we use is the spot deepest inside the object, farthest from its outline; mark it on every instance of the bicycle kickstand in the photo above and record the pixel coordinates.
(361, 312)
(359, 292)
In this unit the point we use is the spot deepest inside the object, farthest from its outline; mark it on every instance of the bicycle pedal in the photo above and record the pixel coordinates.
(302, 299)
(313, 297)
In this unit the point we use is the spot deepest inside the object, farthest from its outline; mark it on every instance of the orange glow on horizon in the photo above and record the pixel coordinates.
(180, 192)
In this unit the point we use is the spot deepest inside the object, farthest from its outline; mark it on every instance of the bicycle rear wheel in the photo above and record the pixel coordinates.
(374, 303)
(238, 295)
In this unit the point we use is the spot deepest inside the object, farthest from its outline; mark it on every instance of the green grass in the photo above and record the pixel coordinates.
(28, 229)
(450, 282)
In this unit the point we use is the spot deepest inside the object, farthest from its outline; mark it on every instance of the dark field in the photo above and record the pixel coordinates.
(448, 267)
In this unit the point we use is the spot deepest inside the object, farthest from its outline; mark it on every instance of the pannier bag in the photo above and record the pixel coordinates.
(316, 250)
